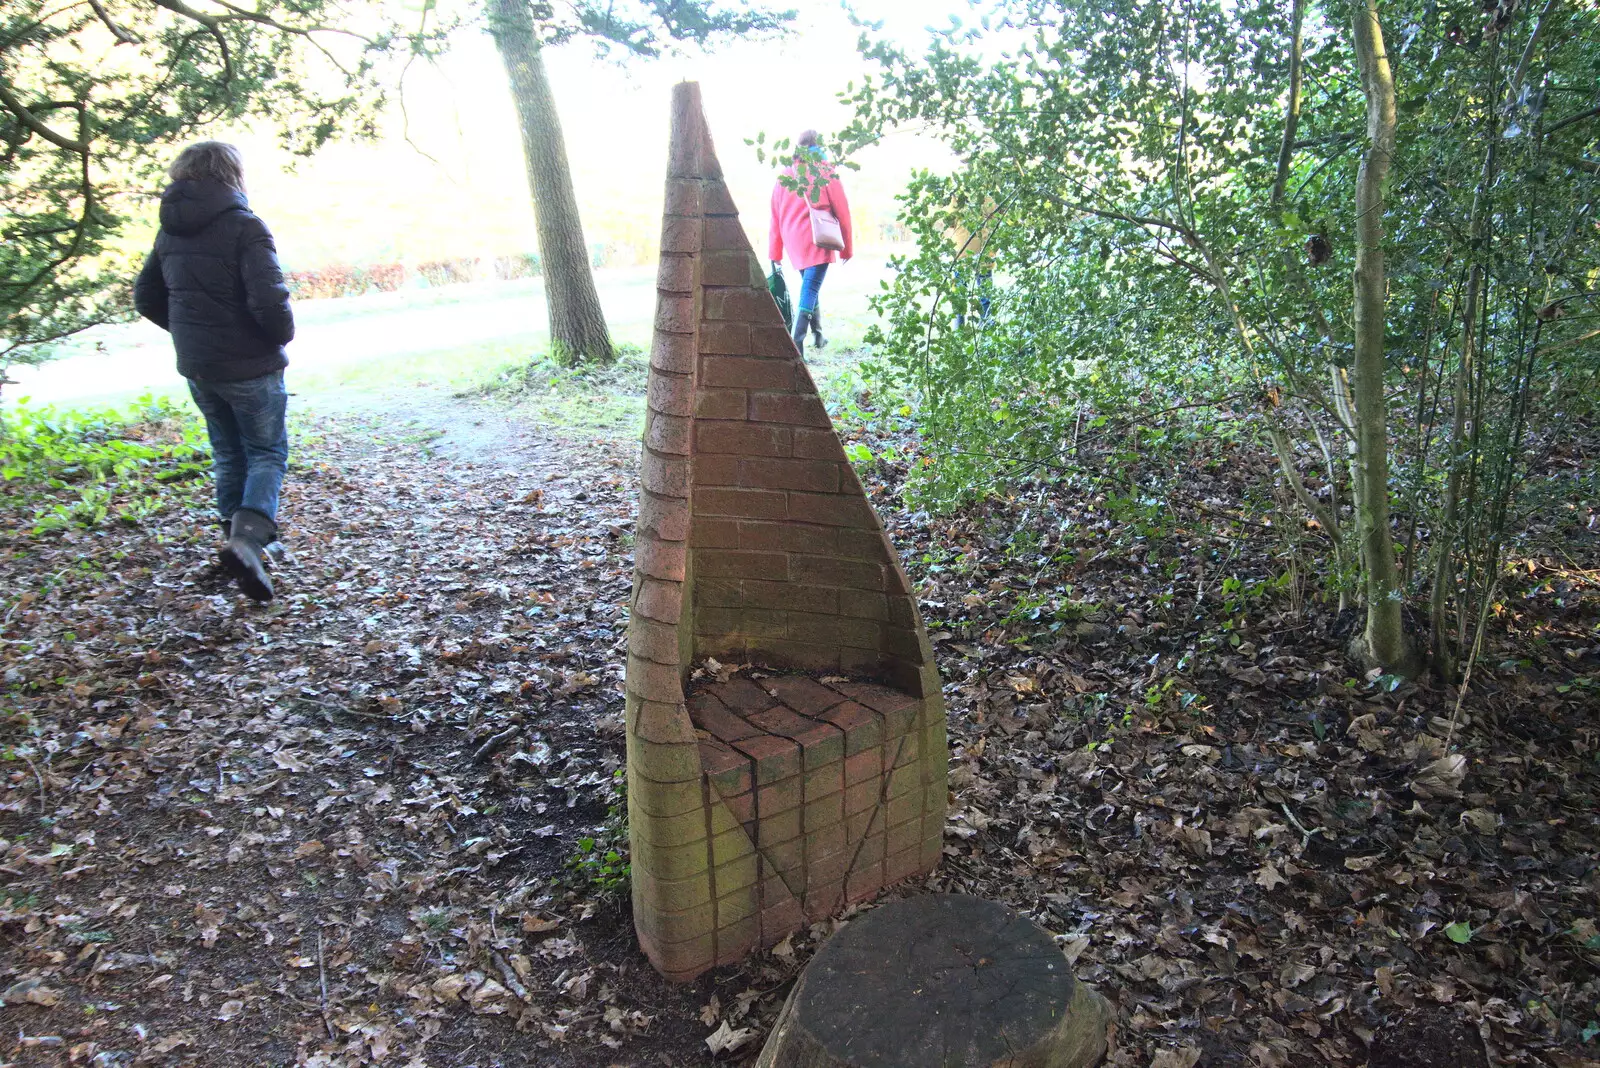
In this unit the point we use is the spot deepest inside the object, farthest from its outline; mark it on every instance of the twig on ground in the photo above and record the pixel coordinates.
(490, 747)
(322, 975)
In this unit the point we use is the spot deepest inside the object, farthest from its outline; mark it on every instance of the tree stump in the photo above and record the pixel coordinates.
(940, 981)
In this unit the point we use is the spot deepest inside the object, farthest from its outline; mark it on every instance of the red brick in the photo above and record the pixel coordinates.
(798, 409)
(780, 838)
(758, 623)
(863, 796)
(781, 920)
(660, 601)
(745, 304)
(726, 268)
(863, 884)
(872, 848)
(863, 604)
(666, 476)
(865, 765)
(722, 404)
(710, 533)
(801, 656)
(863, 544)
(715, 469)
(830, 571)
(725, 233)
(806, 696)
(862, 728)
(902, 643)
(860, 633)
(721, 339)
(711, 715)
(817, 444)
(824, 901)
(711, 621)
(778, 797)
(740, 503)
(652, 640)
(902, 611)
(743, 806)
(787, 596)
(675, 313)
(671, 394)
(743, 439)
(668, 434)
(736, 370)
(907, 810)
(831, 509)
(683, 197)
(773, 341)
(743, 696)
(776, 758)
(737, 940)
(675, 274)
(736, 563)
(717, 593)
(899, 582)
(785, 537)
(821, 743)
(859, 826)
(662, 723)
(818, 476)
(680, 234)
(718, 202)
(664, 517)
(878, 698)
(824, 780)
(656, 682)
(673, 353)
(825, 811)
(865, 661)
(665, 560)
(728, 770)
(902, 865)
(728, 646)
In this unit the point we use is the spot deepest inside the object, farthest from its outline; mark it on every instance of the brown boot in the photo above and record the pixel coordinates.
(248, 534)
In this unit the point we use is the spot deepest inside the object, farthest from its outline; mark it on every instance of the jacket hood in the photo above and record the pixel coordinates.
(190, 205)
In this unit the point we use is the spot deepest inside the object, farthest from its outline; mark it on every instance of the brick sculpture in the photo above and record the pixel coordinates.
(769, 800)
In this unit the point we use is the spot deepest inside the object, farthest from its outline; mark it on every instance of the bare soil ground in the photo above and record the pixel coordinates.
(337, 830)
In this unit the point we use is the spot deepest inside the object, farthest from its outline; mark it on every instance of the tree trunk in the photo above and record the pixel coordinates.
(1384, 642)
(577, 322)
(1444, 576)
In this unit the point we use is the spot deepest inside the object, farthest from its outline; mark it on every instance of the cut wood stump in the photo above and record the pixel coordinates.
(941, 981)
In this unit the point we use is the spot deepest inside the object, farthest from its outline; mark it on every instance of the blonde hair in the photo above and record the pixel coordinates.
(217, 161)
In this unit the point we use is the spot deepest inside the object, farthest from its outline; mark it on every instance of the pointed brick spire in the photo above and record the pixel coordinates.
(753, 811)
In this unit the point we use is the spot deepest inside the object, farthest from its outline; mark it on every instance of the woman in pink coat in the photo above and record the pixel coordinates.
(791, 229)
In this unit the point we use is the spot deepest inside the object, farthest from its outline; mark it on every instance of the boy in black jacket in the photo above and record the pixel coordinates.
(213, 282)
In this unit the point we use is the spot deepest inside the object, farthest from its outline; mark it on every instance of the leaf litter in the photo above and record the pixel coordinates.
(238, 836)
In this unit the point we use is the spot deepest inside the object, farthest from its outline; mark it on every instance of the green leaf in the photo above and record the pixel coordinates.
(1460, 933)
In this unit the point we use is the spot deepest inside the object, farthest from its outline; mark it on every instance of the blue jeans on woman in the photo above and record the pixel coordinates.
(811, 286)
(249, 440)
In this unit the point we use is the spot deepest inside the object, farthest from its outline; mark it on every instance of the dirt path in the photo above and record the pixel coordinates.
(339, 830)
(263, 838)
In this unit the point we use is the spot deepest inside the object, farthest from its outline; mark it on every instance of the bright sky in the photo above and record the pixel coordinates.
(387, 202)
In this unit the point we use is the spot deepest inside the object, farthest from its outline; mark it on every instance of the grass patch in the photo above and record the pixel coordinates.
(64, 469)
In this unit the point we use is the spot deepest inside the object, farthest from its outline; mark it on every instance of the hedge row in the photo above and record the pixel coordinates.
(348, 280)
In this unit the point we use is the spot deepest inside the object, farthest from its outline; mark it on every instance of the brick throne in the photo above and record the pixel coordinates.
(769, 800)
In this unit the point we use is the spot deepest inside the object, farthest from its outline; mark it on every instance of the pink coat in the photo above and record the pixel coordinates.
(791, 224)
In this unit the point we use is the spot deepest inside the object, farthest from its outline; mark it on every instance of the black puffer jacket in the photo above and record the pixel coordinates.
(213, 281)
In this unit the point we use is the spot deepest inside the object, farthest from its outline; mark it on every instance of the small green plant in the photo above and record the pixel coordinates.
(599, 865)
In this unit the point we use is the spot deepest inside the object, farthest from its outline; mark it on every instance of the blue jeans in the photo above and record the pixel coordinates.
(811, 286)
(249, 440)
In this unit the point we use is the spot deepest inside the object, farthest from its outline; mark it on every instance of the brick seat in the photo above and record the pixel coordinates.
(827, 780)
